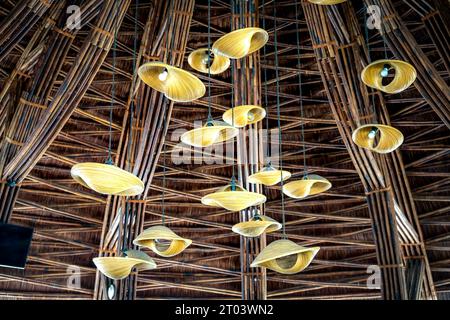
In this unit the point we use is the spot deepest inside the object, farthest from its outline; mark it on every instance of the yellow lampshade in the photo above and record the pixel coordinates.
(107, 179)
(212, 132)
(118, 268)
(256, 226)
(239, 43)
(389, 138)
(236, 200)
(198, 60)
(176, 84)
(405, 74)
(308, 186)
(285, 256)
(162, 241)
(326, 2)
(243, 115)
(269, 176)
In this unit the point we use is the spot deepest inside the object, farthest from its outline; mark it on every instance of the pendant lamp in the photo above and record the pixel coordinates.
(308, 186)
(389, 138)
(327, 2)
(118, 268)
(107, 179)
(256, 226)
(212, 132)
(241, 116)
(233, 198)
(285, 256)
(374, 73)
(176, 84)
(240, 43)
(200, 60)
(162, 241)
(269, 176)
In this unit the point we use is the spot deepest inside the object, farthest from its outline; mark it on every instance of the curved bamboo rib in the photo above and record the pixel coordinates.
(389, 139)
(177, 84)
(118, 268)
(256, 226)
(244, 115)
(237, 200)
(326, 2)
(212, 132)
(269, 176)
(308, 186)
(285, 256)
(239, 43)
(153, 238)
(198, 60)
(107, 179)
(405, 74)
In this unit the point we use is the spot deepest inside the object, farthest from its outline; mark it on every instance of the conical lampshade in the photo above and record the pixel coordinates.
(243, 115)
(256, 226)
(373, 75)
(198, 60)
(389, 138)
(239, 43)
(212, 132)
(107, 179)
(176, 84)
(236, 200)
(162, 241)
(308, 186)
(326, 2)
(118, 268)
(285, 256)
(269, 176)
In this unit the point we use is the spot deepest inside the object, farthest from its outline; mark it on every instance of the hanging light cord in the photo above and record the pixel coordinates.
(366, 32)
(266, 100)
(233, 177)
(280, 149)
(300, 90)
(113, 91)
(209, 62)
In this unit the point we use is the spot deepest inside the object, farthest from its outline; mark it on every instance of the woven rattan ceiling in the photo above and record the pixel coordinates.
(59, 86)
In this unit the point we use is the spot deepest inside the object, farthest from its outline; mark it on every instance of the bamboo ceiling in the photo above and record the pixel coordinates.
(56, 88)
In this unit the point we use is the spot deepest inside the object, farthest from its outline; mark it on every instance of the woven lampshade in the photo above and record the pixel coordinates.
(152, 238)
(326, 2)
(244, 115)
(256, 226)
(389, 139)
(198, 60)
(308, 186)
(239, 43)
(118, 268)
(176, 84)
(405, 74)
(236, 200)
(212, 132)
(285, 256)
(107, 179)
(269, 176)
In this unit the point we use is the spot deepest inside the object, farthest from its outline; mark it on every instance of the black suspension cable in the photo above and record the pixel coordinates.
(280, 149)
(300, 90)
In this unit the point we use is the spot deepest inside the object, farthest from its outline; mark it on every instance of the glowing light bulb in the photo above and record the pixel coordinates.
(163, 75)
(372, 133)
(206, 59)
(385, 71)
(250, 116)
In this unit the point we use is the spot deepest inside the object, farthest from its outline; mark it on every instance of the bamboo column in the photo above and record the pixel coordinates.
(339, 62)
(20, 118)
(143, 137)
(246, 81)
